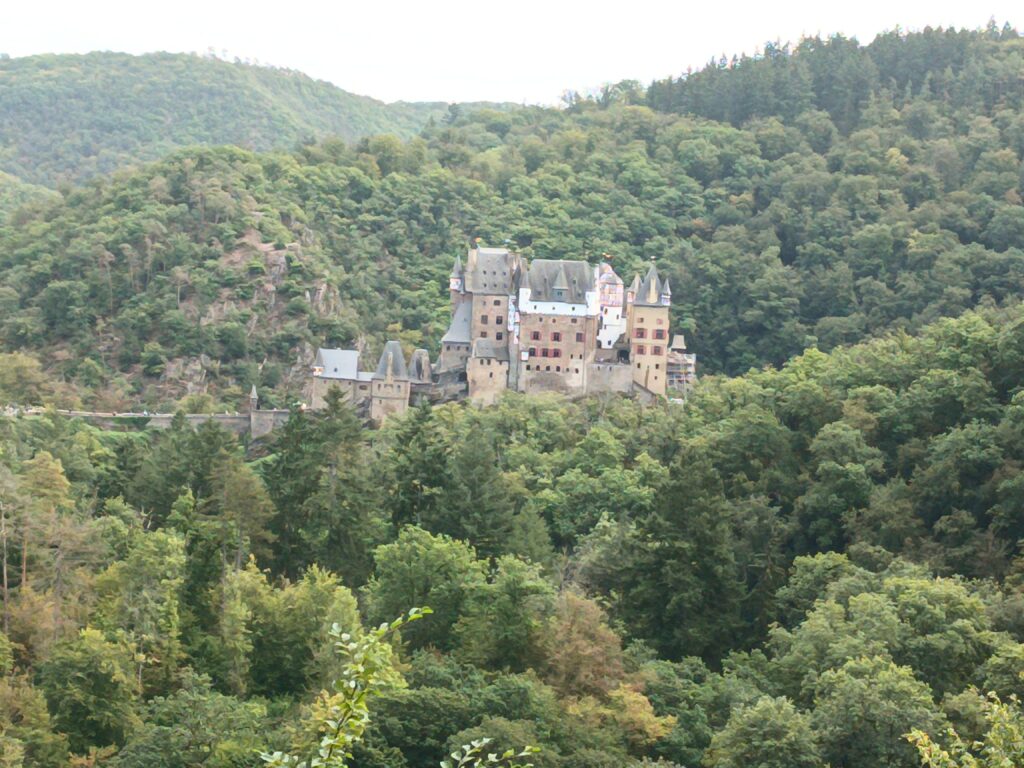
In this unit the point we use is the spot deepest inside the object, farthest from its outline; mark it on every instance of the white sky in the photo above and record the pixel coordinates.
(465, 50)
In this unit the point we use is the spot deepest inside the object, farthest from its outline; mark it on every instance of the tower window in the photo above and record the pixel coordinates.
(556, 335)
(579, 337)
(483, 319)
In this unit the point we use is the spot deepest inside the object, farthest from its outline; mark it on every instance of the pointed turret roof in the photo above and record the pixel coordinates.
(649, 293)
(457, 267)
(252, 393)
(634, 287)
(392, 363)
(666, 289)
(524, 277)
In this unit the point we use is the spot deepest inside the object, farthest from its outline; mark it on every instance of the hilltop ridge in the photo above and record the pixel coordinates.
(70, 117)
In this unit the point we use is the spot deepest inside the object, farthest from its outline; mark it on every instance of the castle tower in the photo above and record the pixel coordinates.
(457, 283)
(390, 384)
(649, 303)
(254, 399)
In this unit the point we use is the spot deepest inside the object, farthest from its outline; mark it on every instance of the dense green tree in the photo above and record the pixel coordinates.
(91, 689)
(771, 733)
(420, 568)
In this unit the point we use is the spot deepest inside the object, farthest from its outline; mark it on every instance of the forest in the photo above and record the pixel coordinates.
(816, 560)
(797, 568)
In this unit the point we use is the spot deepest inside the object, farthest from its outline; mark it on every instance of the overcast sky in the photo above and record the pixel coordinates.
(465, 50)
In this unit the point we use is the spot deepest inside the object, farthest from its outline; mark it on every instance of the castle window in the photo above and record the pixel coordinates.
(640, 333)
(535, 335)
(659, 333)
(558, 368)
(483, 334)
(657, 350)
(556, 336)
(483, 319)
(577, 370)
(573, 321)
(556, 353)
(499, 335)
(545, 352)
(527, 366)
(490, 375)
(641, 349)
(638, 365)
(497, 302)
(661, 321)
(579, 337)
(657, 366)
(547, 367)
(640, 319)
(533, 351)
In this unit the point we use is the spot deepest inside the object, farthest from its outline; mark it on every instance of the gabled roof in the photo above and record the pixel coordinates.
(574, 278)
(490, 271)
(459, 331)
(338, 363)
(392, 363)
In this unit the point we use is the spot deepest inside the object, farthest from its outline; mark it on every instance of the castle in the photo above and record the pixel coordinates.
(547, 326)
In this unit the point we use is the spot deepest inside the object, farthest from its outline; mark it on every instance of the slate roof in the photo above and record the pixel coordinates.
(392, 362)
(459, 331)
(338, 363)
(488, 348)
(419, 366)
(651, 289)
(546, 276)
(490, 271)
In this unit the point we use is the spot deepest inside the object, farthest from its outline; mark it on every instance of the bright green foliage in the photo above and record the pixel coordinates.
(476, 754)
(367, 670)
(1002, 746)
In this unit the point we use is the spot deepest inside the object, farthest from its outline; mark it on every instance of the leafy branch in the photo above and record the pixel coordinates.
(366, 672)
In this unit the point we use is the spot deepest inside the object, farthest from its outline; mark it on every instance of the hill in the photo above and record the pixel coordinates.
(67, 118)
(219, 268)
